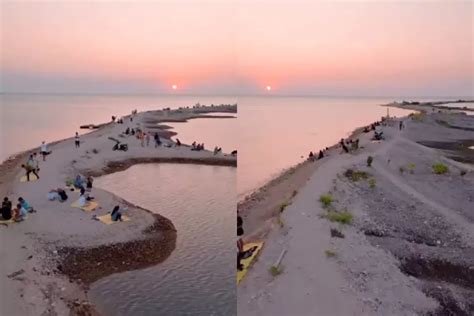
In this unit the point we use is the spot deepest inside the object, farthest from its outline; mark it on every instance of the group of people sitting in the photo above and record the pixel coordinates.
(31, 166)
(217, 150)
(241, 253)
(312, 156)
(197, 147)
(18, 213)
(354, 145)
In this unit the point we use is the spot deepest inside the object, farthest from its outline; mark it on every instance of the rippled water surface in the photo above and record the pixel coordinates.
(26, 120)
(199, 276)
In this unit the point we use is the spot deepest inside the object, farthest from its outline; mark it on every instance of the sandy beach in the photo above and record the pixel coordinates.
(395, 238)
(49, 259)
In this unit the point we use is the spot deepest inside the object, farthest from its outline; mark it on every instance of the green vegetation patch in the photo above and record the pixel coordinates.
(356, 175)
(343, 217)
(326, 200)
(439, 168)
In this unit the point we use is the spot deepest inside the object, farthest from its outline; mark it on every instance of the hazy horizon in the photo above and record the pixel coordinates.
(239, 47)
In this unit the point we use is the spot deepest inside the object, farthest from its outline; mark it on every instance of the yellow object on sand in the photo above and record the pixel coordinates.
(107, 219)
(246, 262)
(32, 178)
(7, 221)
(89, 207)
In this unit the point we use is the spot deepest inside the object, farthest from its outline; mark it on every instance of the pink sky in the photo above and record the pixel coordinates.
(317, 47)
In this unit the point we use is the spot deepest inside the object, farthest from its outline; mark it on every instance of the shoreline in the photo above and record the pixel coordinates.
(420, 268)
(64, 259)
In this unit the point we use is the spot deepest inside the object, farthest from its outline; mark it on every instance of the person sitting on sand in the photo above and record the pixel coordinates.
(343, 145)
(116, 215)
(79, 182)
(178, 142)
(58, 194)
(44, 150)
(127, 131)
(6, 209)
(132, 131)
(321, 155)
(89, 182)
(193, 146)
(234, 153)
(84, 198)
(24, 204)
(19, 213)
(217, 150)
(311, 156)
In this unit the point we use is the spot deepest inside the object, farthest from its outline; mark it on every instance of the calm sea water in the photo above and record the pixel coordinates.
(27, 120)
(199, 276)
(277, 133)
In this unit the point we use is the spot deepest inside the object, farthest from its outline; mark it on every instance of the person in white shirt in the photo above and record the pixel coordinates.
(44, 150)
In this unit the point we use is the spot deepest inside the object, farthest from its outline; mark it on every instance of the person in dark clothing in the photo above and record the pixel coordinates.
(89, 182)
(178, 142)
(6, 209)
(157, 140)
(321, 155)
(116, 215)
(311, 156)
(62, 194)
(29, 169)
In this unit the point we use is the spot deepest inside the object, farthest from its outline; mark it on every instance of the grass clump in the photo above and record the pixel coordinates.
(283, 205)
(329, 253)
(401, 169)
(275, 271)
(280, 222)
(343, 217)
(439, 168)
(372, 183)
(370, 159)
(326, 200)
(356, 175)
(295, 192)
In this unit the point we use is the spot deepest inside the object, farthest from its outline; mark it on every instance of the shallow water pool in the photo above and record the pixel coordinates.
(199, 276)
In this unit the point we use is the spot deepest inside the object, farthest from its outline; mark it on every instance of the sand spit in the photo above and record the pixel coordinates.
(49, 260)
(408, 248)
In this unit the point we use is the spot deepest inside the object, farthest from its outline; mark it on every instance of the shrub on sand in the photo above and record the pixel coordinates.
(329, 253)
(439, 168)
(343, 217)
(372, 183)
(275, 271)
(326, 200)
(356, 175)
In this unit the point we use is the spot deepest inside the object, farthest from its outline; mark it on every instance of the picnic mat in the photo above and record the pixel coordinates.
(248, 261)
(89, 206)
(107, 219)
(32, 178)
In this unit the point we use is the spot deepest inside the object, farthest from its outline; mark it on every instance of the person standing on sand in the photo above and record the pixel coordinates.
(157, 140)
(44, 150)
(147, 137)
(77, 141)
(142, 138)
(401, 125)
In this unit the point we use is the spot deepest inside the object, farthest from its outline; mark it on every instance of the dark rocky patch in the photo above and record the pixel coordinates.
(87, 265)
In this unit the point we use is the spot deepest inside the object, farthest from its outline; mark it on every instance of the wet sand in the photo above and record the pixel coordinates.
(407, 250)
(49, 259)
